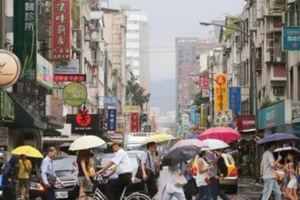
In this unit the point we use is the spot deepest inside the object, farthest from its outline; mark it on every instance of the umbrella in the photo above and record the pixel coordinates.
(27, 150)
(278, 137)
(159, 138)
(180, 154)
(214, 144)
(284, 151)
(189, 142)
(86, 142)
(225, 134)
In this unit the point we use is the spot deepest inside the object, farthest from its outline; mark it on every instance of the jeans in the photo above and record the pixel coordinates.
(177, 195)
(215, 190)
(270, 185)
(204, 193)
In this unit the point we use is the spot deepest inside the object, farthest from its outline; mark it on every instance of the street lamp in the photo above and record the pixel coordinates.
(252, 88)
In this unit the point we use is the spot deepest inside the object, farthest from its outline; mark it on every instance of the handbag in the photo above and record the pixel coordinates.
(179, 179)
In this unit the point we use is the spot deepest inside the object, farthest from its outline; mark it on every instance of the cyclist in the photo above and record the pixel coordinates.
(124, 171)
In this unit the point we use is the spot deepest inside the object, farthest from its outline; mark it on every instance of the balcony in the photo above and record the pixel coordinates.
(275, 8)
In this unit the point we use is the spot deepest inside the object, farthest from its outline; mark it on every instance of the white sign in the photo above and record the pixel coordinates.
(10, 68)
(71, 68)
(295, 111)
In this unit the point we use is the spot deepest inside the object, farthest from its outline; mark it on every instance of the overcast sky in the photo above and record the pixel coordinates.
(174, 18)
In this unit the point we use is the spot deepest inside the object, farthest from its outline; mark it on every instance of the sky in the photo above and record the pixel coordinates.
(169, 19)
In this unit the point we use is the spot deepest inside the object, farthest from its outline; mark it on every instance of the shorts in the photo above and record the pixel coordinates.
(292, 183)
(87, 185)
(24, 183)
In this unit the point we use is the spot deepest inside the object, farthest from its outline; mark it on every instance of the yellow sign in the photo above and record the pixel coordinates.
(220, 93)
(131, 109)
(203, 116)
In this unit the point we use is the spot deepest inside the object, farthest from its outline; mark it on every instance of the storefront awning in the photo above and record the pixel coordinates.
(25, 114)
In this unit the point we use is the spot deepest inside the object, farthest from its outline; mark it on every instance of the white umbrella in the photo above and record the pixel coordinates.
(86, 142)
(214, 144)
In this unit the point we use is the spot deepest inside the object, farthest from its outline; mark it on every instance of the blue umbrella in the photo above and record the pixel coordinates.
(278, 137)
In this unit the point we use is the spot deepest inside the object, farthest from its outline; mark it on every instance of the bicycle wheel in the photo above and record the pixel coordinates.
(137, 196)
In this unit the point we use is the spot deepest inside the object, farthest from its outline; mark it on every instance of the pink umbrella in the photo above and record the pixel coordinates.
(225, 134)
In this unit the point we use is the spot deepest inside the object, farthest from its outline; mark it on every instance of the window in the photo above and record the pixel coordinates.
(278, 91)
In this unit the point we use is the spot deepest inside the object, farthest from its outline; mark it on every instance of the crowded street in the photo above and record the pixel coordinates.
(149, 100)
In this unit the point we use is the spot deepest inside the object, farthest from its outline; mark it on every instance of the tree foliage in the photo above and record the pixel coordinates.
(135, 93)
(199, 99)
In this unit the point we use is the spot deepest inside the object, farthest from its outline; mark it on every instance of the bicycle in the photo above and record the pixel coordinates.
(98, 194)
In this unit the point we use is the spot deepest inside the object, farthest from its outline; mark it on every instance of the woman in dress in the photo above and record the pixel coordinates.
(291, 172)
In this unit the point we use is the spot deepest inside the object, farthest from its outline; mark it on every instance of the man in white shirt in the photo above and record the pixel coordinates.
(268, 167)
(124, 171)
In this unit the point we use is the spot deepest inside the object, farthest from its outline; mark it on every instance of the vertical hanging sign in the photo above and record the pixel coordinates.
(235, 100)
(25, 36)
(112, 120)
(220, 93)
(61, 30)
(135, 122)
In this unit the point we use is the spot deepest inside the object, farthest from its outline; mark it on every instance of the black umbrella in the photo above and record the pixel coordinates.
(179, 155)
(278, 138)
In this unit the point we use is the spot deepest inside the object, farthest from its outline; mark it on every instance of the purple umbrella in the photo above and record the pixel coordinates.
(278, 137)
(189, 142)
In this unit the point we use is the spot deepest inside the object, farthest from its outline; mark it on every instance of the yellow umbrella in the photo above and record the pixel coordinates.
(27, 151)
(159, 138)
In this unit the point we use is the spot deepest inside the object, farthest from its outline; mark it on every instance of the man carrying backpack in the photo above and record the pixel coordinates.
(217, 172)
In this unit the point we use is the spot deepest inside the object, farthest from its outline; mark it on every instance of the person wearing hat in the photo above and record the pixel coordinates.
(23, 176)
(124, 170)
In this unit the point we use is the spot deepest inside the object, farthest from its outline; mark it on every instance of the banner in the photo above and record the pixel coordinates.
(112, 120)
(44, 72)
(235, 100)
(25, 37)
(203, 116)
(193, 115)
(61, 30)
(204, 81)
(135, 122)
(132, 109)
(220, 93)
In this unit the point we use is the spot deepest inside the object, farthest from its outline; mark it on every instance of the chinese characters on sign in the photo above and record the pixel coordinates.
(220, 93)
(291, 38)
(204, 81)
(69, 78)
(25, 40)
(61, 30)
(135, 122)
(112, 120)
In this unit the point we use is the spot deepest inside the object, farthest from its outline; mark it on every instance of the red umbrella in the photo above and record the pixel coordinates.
(225, 134)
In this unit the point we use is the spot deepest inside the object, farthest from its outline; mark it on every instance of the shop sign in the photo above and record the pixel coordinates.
(245, 122)
(223, 118)
(204, 81)
(193, 115)
(110, 101)
(271, 116)
(69, 78)
(84, 123)
(295, 111)
(75, 94)
(112, 120)
(71, 68)
(135, 122)
(61, 30)
(291, 38)
(220, 93)
(10, 68)
(131, 109)
(203, 116)
(235, 100)
(120, 123)
(44, 73)
(25, 37)
(127, 122)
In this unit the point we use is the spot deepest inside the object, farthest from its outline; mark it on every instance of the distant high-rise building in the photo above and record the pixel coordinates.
(137, 46)
(186, 62)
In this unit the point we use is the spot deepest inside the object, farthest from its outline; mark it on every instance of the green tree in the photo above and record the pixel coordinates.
(135, 93)
(199, 99)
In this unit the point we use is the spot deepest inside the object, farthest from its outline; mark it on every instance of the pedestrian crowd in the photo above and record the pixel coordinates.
(279, 175)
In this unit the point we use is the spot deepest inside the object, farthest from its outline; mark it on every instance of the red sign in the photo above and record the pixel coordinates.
(135, 122)
(61, 30)
(83, 118)
(204, 81)
(245, 123)
(69, 78)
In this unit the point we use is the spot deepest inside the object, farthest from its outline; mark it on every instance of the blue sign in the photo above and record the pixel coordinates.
(193, 115)
(235, 100)
(291, 38)
(110, 101)
(271, 116)
(112, 120)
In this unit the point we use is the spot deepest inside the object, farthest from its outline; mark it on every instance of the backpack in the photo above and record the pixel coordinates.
(222, 167)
